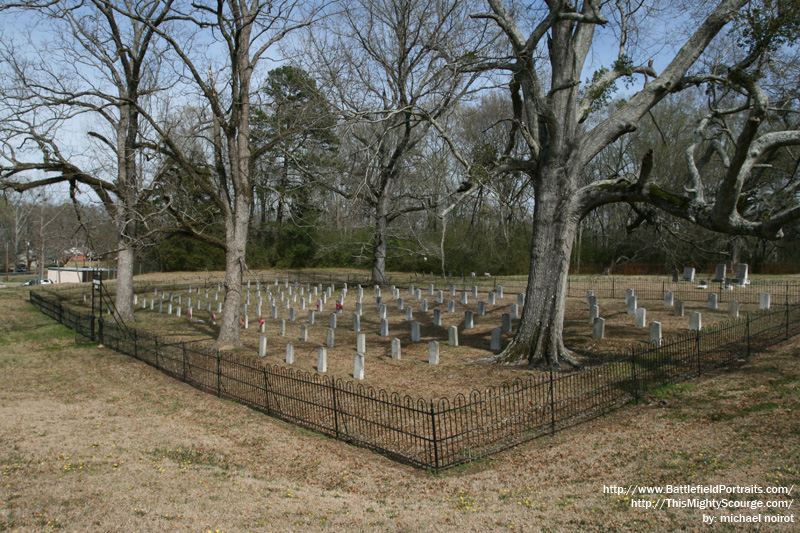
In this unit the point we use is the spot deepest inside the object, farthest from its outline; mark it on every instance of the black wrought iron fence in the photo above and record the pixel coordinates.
(437, 434)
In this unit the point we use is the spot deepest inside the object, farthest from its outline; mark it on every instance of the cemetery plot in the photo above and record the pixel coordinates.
(396, 336)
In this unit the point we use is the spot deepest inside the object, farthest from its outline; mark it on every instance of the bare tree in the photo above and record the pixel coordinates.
(106, 69)
(551, 111)
(391, 67)
(236, 36)
(16, 214)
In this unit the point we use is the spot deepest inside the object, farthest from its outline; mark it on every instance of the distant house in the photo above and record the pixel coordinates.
(73, 254)
(73, 274)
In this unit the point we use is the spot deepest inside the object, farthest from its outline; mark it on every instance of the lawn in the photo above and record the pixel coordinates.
(91, 440)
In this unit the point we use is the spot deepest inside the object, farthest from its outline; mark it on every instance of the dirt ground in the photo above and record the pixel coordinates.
(91, 440)
(459, 369)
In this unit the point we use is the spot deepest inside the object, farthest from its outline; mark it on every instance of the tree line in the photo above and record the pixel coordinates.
(427, 135)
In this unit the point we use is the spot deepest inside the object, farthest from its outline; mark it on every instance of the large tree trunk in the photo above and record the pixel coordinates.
(379, 247)
(539, 338)
(236, 240)
(124, 298)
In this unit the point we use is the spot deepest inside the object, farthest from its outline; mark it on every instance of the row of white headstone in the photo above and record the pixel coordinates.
(359, 358)
(695, 318)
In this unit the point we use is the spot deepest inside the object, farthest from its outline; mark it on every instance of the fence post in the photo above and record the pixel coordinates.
(613, 287)
(748, 335)
(635, 376)
(100, 328)
(335, 409)
(60, 313)
(552, 406)
(787, 316)
(135, 344)
(435, 440)
(184, 360)
(219, 378)
(155, 340)
(266, 389)
(697, 346)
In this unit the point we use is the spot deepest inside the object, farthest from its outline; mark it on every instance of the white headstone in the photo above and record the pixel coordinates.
(669, 299)
(741, 274)
(329, 338)
(695, 321)
(358, 366)
(452, 336)
(433, 352)
(641, 317)
(506, 327)
(594, 312)
(712, 300)
(497, 336)
(289, 354)
(599, 328)
(763, 300)
(415, 332)
(632, 305)
(733, 309)
(469, 320)
(262, 346)
(655, 333)
(720, 273)
(396, 353)
(361, 343)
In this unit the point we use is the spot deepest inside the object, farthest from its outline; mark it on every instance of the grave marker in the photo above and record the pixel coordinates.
(641, 317)
(433, 353)
(594, 312)
(695, 321)
(329, 338)
(361, 343)
(497, 336)
(599, 328)
(469, 320)
(655, 333)
(358, 366)
(719, 273)
(452, 336)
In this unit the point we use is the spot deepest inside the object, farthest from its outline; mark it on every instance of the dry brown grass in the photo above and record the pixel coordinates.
(91, 440)
(458, 371)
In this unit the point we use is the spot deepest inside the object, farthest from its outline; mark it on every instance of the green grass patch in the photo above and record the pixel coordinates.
(672, 390)
(761, 407)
